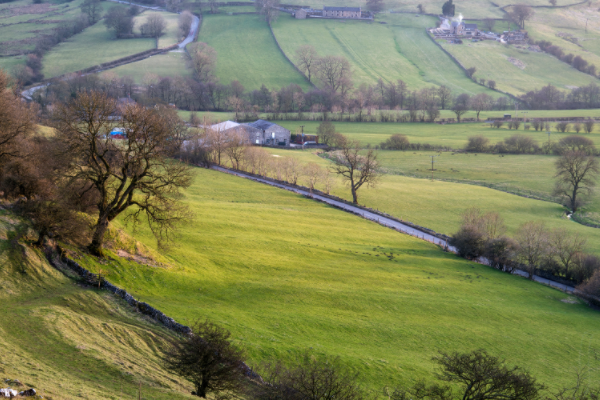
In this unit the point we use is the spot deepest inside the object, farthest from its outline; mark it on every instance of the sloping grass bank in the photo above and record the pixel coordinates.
(286, 274)
(69, 341)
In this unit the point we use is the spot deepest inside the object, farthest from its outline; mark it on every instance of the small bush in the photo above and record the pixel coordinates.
(478, 144)
(469, 242)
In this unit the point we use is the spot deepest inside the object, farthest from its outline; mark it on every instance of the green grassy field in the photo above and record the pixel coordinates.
(286, 274)
(69, 342)
(516, 71)
(247, 52)
(169, 64)
(95, 45)
(438, 205)
(452, 135)
(526, 175)
(555, 25)
(171, 35)
(403, 50)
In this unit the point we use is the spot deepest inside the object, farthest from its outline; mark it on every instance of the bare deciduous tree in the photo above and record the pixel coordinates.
(310, 378)
(306, 58)
(588, 125)
(335, 73)
(481, 102)
(136, 172)
(533, 241)
(355, 168)
(204, 60)
(488, 24)
(208, 359)
(269, 9)
(521, 13)
(567, 246)
(16, 120)
(461, 105)
(313, 174)
(236, 143)
(576, 173)
(154, 26)
(185, 22)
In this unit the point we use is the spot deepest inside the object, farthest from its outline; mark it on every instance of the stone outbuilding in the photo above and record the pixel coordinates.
(341, 12)
(263, 132)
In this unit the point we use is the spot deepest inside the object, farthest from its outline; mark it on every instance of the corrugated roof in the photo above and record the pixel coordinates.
(471, 26)
(356, 9)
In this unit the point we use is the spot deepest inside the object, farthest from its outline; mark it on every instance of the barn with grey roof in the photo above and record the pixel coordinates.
(267, 133)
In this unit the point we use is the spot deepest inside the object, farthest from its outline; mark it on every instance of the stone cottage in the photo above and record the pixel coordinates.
(263, 132)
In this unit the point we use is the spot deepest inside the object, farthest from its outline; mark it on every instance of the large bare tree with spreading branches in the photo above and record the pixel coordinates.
(335, 73)
(133, 174)
(576, 174)
(355, 166)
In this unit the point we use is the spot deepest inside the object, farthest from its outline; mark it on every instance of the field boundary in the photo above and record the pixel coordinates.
(286, 57)
(465, 69)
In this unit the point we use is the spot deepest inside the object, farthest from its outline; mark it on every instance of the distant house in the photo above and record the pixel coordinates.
(471, 29)
(342, 12)
(263, 132)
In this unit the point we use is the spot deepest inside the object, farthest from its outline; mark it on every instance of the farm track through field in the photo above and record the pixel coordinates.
(381, 220)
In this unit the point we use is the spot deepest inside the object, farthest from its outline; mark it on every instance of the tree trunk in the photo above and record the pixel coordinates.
(354, 196)
(574, 200)
(201, 390)
(95, 247)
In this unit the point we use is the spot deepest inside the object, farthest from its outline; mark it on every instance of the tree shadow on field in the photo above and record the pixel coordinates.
(15, 252)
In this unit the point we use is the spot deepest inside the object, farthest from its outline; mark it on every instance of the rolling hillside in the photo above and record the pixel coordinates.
(402, 50)
(68, 341)
(286, 274)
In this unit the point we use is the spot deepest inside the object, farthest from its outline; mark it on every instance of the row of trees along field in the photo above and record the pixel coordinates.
(210, 360)
(291, 102)
(554, 253)
(524, 144)
(356, 167)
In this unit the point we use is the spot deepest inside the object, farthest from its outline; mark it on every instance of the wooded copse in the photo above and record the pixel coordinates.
(535, 248)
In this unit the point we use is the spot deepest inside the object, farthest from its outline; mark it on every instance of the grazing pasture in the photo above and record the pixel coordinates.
(403, 50)
(171, 64)
(247, 52)
(516, 70)
(95, 45)
(286, 274)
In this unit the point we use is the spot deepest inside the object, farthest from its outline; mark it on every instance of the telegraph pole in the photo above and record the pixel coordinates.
(302, 127)
(432, 161)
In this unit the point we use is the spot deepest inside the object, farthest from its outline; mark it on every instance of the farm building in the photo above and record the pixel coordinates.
(263, 132)
(342, 12)
(452, 29)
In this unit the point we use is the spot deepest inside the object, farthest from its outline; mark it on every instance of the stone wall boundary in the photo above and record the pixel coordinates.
(286, 57)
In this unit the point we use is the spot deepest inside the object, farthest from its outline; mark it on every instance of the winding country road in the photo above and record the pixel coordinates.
(387, 222)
